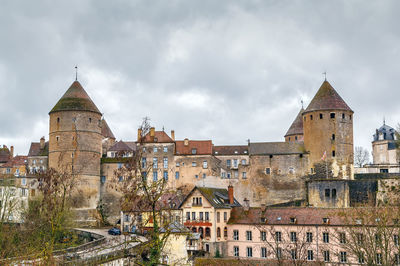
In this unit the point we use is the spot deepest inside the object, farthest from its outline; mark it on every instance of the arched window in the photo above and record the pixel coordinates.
(218, 232)
(225, 232)
(201, 232)
(194, 230)
(208, 232)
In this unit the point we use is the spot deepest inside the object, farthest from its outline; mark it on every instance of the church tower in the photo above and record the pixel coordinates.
(75, 142)
(328, 132)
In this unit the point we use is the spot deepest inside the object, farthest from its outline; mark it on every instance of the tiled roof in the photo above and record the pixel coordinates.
(217, 197)
(4, 155)
(105, 130)
(327, 99)
(75, 99)
(167, 201)
(282, 216)
(270, 148)
(203, 147)
(121, 146)
(35, 150)
(159, 137)
(18, 160)
(297, 126)
(231, 150)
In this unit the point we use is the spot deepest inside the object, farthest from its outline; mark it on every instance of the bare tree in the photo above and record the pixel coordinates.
(361, 156)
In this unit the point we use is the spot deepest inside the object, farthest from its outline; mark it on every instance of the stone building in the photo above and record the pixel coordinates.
(38, 156)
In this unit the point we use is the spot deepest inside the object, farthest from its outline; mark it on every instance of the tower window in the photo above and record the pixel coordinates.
(311, 117)
(332, 115)
(90, 120)
(58, 120)
(295, 137)
(333, 136)
(271, 156)
(57, 138)
(333, 153)
(321, 116)
(289, 138)
(343, 116)
(350, 117)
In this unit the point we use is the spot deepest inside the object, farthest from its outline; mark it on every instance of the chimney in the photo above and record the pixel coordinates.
(230, 194)
(139, 134)
(12, 151)
(152, 133)
(173, 134)
(246, 205)
(42, 143)
(186, 142)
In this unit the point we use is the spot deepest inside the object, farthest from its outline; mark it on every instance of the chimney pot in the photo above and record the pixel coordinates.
(230, 194)
(12, 151)
(42, 141)
(186, 142)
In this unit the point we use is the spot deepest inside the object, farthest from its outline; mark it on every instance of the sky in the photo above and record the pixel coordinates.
(222, 70)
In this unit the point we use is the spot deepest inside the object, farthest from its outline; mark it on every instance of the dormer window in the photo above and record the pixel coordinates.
(293, 220)
(263, 219)
(325, 220)
(279, 218)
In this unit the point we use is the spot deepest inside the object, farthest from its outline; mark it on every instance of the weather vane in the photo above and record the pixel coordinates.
(324, 75)
(76, 73)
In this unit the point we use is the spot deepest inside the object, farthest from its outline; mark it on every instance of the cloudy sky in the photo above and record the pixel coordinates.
(222, 70)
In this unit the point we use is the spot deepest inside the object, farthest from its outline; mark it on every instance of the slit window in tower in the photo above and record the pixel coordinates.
(321, 116)
(333, 136)
(90, 120)
(311, 117)
(333, 153)
(343, 116)
(58, 120)
(332, 115)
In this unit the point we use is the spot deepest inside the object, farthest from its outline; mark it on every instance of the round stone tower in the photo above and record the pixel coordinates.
(75, 142)
(328, 132)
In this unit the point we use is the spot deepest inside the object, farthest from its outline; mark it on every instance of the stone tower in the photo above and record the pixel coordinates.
(384, 150)
(295, 132)
(328, 127)
(75, 142)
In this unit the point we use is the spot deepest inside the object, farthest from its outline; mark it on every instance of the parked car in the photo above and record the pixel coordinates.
(114, 231)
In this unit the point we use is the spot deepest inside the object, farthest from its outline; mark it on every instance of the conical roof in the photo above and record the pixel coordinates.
(105, 130)
(327, 99)
(75, 99)
(297, 126)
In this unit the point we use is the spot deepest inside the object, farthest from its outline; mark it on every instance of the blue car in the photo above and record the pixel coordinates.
(114, 231)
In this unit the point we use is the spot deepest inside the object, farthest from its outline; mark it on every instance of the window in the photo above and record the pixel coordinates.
(225, 232)
(396, 259)
(194, 164)
(218, 232)
(293, 220)
(155, 176)
(204, 175)
(361, 258)
(205, 164)
(235, 163)
(325, 237)
(225, 216)
(236, 174)
(360, 238)
(378, 238)
(268, 171)
(396, 240)
(263, 236)
(321, 116)
(333, 136)
(178, 164)
(326, 255)
(293, 254)
(218, 217)
(332, 115)
(310, 255)
(236, 251)
(311, 117)
(187, 216)
(309, 237)
(343, 116)
(155, 162)
(248, 235)
(176, 175)
(120, 179)
(194, 151)
(155, 149)
(333, 153)
(235, 234)
(333, 193)
(244, 175)
(165, 162)
(327, 192)
(208, 232)
(23, 181)
(249, 252)
(263, 252)
(201, 215)
(207, 216)
(278, 236)
(103, 179)
(196, 176)
(342, 238)
(165, 175)
(278, 253)
(343, 256)
(293, 237)
(58, 120)
(229, 174)
(165, 149)
(243, 161)
(228, 163)
(143, 162)
(193, 216)
(304, 118)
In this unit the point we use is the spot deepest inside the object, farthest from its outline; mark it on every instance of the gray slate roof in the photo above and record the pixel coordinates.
(271, 148)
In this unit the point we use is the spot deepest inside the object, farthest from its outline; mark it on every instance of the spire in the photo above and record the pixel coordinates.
(297, 126)
(327, 99)
(75, 99)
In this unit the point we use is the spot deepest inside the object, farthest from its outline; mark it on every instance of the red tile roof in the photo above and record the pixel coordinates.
(35, 149)
(17, 161)
(159, 137)
(327, 99)
(5, 155)
(297, 126)
(282, 216)
(203, 147)
(105, 130)
(231, 150)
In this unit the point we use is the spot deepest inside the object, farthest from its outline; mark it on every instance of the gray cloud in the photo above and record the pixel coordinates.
(222, 70)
